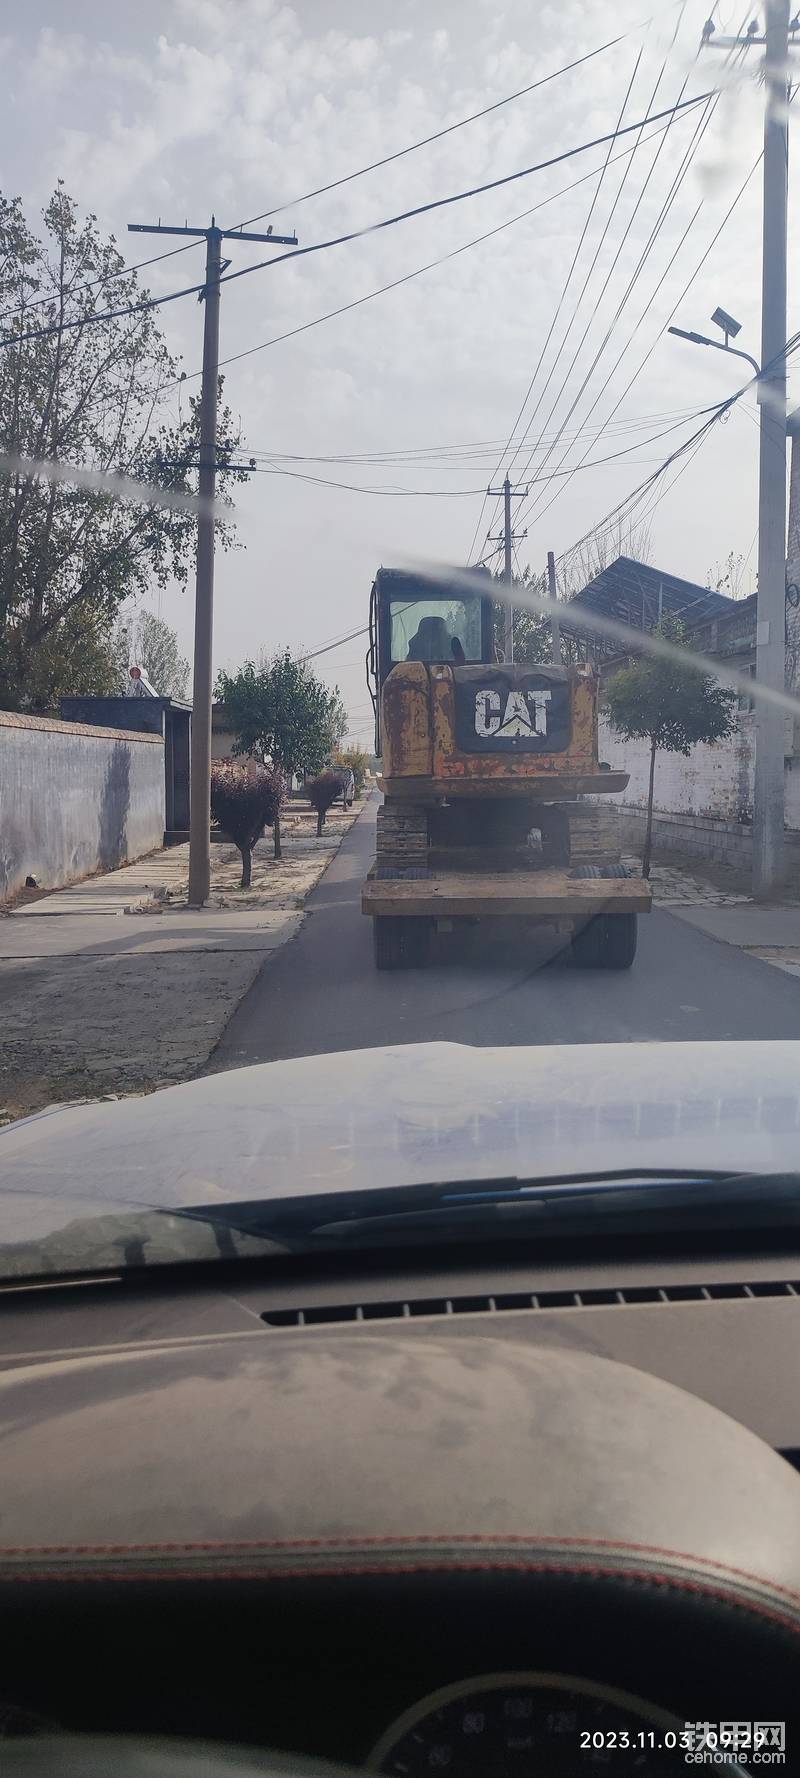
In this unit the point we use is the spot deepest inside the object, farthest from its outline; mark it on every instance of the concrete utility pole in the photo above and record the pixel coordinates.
(555, 621)
(508, 538)
(200, 801)
(768, 792)
(771, 610)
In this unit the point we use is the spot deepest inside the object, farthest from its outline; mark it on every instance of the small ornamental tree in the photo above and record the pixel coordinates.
(279, 710)
(322, 793)
(670, 705)
(244, 800)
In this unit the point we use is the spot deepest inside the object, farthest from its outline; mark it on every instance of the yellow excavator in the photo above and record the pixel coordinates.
(489, 777)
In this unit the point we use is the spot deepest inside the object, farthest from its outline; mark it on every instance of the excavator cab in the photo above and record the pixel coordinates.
(416, 618)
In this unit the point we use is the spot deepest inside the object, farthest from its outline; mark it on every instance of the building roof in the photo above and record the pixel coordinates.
(638, 594)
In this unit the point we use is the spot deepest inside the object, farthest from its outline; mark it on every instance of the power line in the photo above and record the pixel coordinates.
(353, 235)
(612, 268)
(274, 468)
(474, 117)
(395, 283)
(438, 135)
(561, 299)
(472, 191)
(666, 206)
(648, 354)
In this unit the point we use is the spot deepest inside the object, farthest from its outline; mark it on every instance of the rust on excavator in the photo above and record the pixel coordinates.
(405, 722)
(419, 734)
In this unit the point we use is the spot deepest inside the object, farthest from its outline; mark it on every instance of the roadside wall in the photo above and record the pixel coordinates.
(702, 803)
(75, 799)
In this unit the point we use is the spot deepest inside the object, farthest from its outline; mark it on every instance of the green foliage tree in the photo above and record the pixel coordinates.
(670, 705)
(145, 640)
(280, 711)
(245, 800)
(91, 393)
(532, 640)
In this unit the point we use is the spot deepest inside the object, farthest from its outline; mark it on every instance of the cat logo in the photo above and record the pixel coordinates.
(525, 714)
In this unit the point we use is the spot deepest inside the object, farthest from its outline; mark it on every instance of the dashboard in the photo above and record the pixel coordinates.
(481, 1542)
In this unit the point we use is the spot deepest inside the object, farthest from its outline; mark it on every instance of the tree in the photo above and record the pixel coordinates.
(91, 393)
(280, 711)
(322, 793)
(147, 641)
(532, 634)
(670, 705)
(602, 548)
(726, 577)
(245, 800)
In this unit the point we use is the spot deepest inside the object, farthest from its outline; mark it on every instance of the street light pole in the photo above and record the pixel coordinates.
(768, 794)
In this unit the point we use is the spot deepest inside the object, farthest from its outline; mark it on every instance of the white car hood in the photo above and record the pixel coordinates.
(410, 1114)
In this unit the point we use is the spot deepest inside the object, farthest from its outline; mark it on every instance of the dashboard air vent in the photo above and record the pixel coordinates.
(541, 1299)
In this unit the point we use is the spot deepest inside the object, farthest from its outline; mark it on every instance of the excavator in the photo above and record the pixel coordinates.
(490, 776)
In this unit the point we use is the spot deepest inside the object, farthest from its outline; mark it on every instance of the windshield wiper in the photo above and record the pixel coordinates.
(631, 1199)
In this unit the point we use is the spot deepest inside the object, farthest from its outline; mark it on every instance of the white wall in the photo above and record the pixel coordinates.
(716, 781)
(711, 781)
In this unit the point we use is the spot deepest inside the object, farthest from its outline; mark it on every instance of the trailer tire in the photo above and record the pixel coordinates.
(400, 943)
(606, 942)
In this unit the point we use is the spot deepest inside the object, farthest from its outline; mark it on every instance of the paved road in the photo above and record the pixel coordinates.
(321, 992)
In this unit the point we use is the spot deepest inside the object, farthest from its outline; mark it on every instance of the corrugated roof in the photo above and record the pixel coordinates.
(631, 591)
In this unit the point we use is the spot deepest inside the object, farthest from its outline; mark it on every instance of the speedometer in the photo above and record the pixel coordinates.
(530, 1725)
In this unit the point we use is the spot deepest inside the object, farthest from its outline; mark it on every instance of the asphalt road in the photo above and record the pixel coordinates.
(321, 992)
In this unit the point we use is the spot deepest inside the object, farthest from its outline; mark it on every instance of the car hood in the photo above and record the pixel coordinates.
(411, 1114)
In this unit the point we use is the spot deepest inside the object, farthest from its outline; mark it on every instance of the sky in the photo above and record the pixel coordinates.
(182, 108)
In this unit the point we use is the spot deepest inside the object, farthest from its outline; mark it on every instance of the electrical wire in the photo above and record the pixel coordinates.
(437, 136)
(395, 283)
(534, 507)
(353, 234)
(346, 179)
(654, 233)
(561, 299)
(648, 354)
(274, 468)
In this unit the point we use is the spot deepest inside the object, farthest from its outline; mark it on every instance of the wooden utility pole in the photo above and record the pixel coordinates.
(202, 687)
(508, 537)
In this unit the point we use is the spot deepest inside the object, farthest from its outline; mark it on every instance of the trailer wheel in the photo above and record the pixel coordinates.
(606, 942)
(400, 943)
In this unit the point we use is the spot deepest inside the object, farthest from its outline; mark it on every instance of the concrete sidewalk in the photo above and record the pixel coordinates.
(769, 932)
(114, 985)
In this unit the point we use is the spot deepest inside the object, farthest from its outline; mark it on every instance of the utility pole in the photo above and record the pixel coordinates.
(555, 621)
(508, 538)
(768, 792)
(202, 687)
(768, 797)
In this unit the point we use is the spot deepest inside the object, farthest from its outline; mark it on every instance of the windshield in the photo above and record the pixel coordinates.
(332, 350)
(426, 629)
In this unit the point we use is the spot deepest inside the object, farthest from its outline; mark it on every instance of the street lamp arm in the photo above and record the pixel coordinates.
(700, 339)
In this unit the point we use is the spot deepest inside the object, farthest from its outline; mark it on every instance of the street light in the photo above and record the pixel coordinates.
(730, 329)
